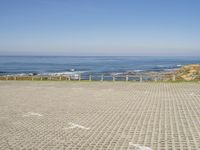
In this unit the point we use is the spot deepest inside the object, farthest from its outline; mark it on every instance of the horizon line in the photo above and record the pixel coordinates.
(99, 56)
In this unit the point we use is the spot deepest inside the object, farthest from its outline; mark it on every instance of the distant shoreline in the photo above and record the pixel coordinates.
(91, 65)
(187, 72)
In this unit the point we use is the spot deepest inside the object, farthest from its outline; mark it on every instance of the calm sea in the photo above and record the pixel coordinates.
(89, 64)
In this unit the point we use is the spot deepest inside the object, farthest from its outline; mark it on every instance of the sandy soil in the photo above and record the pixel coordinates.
(78, 115)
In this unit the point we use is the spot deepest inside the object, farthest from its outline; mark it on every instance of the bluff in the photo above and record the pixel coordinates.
(188, 72)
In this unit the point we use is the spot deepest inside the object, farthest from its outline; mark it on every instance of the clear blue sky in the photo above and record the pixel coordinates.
(100, 27)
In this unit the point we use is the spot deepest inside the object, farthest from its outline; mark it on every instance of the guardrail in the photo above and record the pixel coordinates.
(102, 77)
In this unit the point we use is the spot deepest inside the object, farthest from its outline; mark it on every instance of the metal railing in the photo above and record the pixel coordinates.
(99, 77)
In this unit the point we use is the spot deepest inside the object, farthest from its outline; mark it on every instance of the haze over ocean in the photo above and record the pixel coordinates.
(99, 28)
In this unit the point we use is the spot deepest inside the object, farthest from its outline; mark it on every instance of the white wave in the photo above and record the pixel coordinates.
(75, 73)
(133, 71)
(138, 70)
(160, 66)
(179, 65)
(21, 74)
(72, 69)
(117, 73)
(66, 73)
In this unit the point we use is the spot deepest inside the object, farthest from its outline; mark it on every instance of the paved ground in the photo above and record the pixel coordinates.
(60, 115)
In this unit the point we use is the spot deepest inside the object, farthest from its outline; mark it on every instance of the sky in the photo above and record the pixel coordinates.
(100, 27)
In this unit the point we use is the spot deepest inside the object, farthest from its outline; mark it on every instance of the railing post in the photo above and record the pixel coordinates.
(126, 78)
(90, 77)
(79, 77)
(32, 78)
(140, 78)
(41, 78)
(102, 77)
(159, 77)
(60, 78)
(6, 77)
(15, 78)
(113, 78)
(174, 77)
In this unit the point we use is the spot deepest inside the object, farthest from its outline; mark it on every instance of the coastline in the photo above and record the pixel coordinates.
(190, 72)
(52, 66)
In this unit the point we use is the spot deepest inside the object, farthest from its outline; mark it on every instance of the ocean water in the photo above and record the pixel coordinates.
(46, 65)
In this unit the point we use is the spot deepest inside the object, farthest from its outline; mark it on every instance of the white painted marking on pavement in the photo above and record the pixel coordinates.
(73, 125)
(192, 94)
(139, 147)
(32, 114)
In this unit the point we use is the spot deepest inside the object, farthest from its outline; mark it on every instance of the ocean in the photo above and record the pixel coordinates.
(69, 65)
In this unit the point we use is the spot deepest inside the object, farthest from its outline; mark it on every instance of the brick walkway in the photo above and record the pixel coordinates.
(87, 116)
